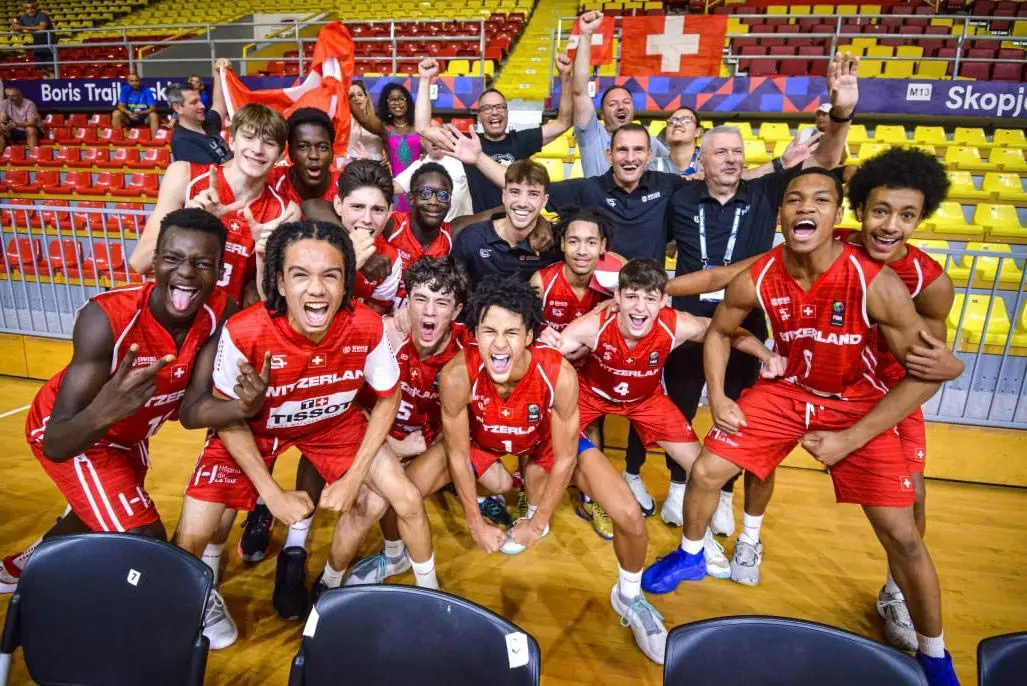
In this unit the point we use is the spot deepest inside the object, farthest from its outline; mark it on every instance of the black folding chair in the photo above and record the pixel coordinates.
(1002, 660)
(773, 651)
(385, 635)
(109, 610)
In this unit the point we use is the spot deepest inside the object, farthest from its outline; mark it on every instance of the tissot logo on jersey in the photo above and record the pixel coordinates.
(314, 381)
(309, 411)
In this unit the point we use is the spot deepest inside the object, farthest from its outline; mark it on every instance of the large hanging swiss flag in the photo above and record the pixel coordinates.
(672, 45)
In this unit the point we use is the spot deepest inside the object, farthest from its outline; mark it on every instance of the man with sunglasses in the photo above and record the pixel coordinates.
(424, 231)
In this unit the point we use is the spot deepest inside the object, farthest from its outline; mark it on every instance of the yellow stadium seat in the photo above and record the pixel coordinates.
(869, 9)
(973, 137)
(772, 132)
(799, 10)
(777, 10)
(980, 309)
(857, 135)
(941, 252)
(755, 152)
(656, 126)
(962, 187)
(849, 220)
(847, 9)
(1008, 187)
(986, 267)
(868, 150)
(966, 159)
(1020, 332)
(1008, 160)
(576, 171)
(558, 149)
(950, 220)
(1010, 138)
(870, 69)
(930, 135)
(854, 50)
(877, 51)
(909, 51)
(941, 22)
(898, 69)
(992, 217)
(458, 68)
(554, 167)
(868, 43)
(931, 70)
(745, 128)
(823, 9)
(890, 134)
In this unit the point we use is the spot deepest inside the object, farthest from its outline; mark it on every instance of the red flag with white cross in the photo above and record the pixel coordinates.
(672, 45)
(602, 42)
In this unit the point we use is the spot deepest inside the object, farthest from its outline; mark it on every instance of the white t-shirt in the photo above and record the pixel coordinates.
(461, 202)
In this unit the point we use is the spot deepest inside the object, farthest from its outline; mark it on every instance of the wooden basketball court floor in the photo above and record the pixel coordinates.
(821, 563)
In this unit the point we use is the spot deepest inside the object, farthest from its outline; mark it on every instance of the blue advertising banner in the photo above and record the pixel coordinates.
(457, 93)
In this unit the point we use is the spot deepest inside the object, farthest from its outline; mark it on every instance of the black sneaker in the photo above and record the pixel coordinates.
(494, 510)
(316, 590)
(290, 594)
(256, 535)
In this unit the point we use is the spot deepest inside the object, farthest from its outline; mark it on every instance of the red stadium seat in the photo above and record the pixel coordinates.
(1007, 71)
(65, 255)
(976, 70)
(53, 120)
(18, 181)
(83, 219)
(118, 160)
(50, 182)
(62, 157)
(57, 218)
(23, 156)
(14, 155)
(81, 182)
(138, 136)
(129, 224)
(90, 157)
(138, 185)
(110, 136)
(107, 260)
(108, 182)
(795, 68)
(100, 120)
(77, 120)
(23, 254)
(17, 218)
(763, 68)
(150, 159)
(162, 139)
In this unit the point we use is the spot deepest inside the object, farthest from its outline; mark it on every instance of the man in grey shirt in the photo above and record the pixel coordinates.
(617, 105)
(41, 27)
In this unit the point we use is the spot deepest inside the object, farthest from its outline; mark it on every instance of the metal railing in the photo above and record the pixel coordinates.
(145, 50)
(55, 257)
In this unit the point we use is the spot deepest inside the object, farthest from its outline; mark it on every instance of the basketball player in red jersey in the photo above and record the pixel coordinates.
(311, 137)
(585, 278)
(241, 198)
(823, 298)
(507, 396)
(623, 372)
(320, 349)
(423, 231)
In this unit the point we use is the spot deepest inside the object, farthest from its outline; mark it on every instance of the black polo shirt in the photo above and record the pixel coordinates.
(515, 145)
(640, 216)
(202, 148)
(482, 252)
(755, 205)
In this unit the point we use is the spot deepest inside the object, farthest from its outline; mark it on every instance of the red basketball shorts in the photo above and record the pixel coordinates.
(877, 474)
(913, 434)
(104, 485)
(481, 460)
(656, 419)
(217, 477)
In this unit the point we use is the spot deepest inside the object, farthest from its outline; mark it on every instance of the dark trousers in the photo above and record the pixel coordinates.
(684, 377)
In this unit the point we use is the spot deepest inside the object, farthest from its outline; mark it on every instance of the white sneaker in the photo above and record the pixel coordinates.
(898, 625)
(512, 547)
(641, 493)
(723, 522)
(673, 507)
(745, 565)
(645, 622)
(10, 575)
(376, 569)
(218, 626)
(717, 564)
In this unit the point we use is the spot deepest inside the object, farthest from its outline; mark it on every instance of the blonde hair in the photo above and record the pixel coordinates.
(262, 121)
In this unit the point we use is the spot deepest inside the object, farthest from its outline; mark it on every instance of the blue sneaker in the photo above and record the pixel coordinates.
(664, 575)
(938, 670)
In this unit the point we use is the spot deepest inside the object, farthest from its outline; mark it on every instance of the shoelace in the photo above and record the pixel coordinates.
(745, 554)
(376, 564)
(896, 607)
(717, 549)
(652, 620)
(598, 513)
(215, 609)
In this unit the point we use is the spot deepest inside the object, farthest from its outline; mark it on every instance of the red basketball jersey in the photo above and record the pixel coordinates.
(312, 384)
(560, 304)
(621, 374)
(519, 424)
(132, 322)
(410, 249)
(826, 334)
(281, 181)
(385, 293)
(240, 262)
(420, 409)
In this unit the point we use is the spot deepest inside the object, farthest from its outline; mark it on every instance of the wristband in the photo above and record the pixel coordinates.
(779, 166)
(840, 120)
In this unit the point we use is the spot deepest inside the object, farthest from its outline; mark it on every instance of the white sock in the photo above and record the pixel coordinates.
(531, 510)
(331, 577)
(212, 558)
(394, 549)
(751, 528)
(424, 573)
(676, 490)
(692, 547)
(298, 532)
(931, 646)
(890, 587)
(22, 558)
(481, 499)
(629, 584)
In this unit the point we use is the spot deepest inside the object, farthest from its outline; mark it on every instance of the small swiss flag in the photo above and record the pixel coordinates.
(808, 311)
(602, 42)
(179, 372)
(318, 361)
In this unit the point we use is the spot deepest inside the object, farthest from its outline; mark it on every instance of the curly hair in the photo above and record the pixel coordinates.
(511, 294)
(643, 274)
(383, 103)
(310, 115)
(572, 214)
(193, 219)
(364, 173)
(439, 274)
(430, 168)
(901, 168)
(287, 234)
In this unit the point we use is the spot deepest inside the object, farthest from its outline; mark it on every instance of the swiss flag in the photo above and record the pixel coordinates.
(672, 45)
(602, 42)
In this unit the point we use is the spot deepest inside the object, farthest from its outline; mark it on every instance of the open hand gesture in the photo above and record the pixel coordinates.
(843, 83)
(261, 231)
(209, 199)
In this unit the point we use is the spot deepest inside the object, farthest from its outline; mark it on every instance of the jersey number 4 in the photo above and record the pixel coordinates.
(621, 388)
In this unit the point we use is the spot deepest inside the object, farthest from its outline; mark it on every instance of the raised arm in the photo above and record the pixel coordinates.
(707, 280)
(427, 70)
(797, 152)
(555, 128)
(171, 197)
(739, 301)
(455, 396)
(217, 98)
(584, 108)
(93, 397)
(843, 86)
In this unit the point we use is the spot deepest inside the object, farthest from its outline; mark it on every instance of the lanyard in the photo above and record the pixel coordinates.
(730, 250)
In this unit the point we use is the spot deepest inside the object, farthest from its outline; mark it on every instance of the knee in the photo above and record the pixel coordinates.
(904, 542)
(408, 502)
(370, 505)
(704, 475)
(628, 518)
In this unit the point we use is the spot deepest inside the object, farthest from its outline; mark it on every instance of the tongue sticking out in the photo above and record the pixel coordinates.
(181, 299)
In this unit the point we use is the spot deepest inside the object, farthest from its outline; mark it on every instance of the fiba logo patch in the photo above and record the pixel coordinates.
(534, 414)
(837, 313)
(654, 359)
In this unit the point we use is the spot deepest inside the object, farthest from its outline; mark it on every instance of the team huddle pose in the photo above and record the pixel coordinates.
(365, 345)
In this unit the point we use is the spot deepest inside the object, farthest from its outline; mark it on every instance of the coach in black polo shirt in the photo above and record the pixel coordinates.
(635, 198)
(501, 245)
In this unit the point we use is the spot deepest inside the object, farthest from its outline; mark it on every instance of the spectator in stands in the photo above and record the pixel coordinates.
(682, 140)
(19, 119)
(136, 106)
(362, 143)
(197, 134)
(196, 81)
(41, 27)
(617, 105)
(460, 204)
(501, 145)
(394, 122)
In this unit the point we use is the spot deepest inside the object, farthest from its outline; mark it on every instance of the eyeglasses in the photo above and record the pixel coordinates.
(486, 109)
(680, 121)
(426, 192)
